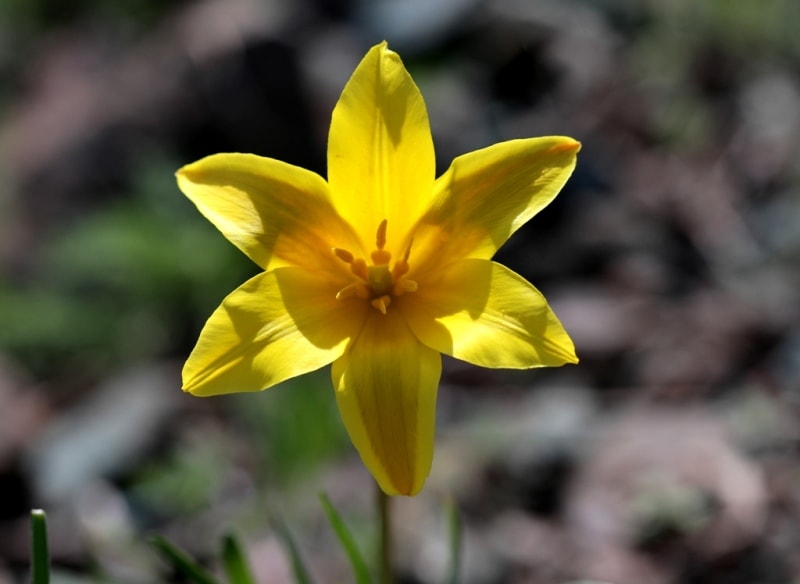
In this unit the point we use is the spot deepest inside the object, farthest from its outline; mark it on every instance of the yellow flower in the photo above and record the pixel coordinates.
(380, 269)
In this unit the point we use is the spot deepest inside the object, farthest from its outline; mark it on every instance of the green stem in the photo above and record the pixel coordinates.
(385, 558)
(40, 554)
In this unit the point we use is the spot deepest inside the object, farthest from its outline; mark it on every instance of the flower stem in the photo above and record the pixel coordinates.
(40, 554)
(385, 559)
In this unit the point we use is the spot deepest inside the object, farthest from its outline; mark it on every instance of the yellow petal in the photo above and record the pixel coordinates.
(380, 151)
(386, 390)
(277, 325)
(481, 312)
(486, 195)
(276, 213)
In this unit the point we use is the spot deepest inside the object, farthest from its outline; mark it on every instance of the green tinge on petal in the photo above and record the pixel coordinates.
(276, 213)
(486, 195)
(381, 162)
(483, 313)
(277, 325)
(386, 386)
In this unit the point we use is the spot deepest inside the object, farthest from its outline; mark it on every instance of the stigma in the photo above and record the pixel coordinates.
(378, 281)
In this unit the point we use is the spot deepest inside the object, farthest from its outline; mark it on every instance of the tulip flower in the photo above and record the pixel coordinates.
(378, 270)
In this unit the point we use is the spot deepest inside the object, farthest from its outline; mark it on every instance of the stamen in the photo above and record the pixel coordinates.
(381, 257)
(404, 286)
(382, 303)
(375, 281)
(359, 268)
(408, 250)
(343, 255)
(400, 268)
(353, 289)
(380, 238)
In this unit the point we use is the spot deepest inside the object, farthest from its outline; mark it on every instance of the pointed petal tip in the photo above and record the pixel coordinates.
(191, 386)
(186, 388)
(381, 47)
(568, 146)
(181, 173)
(569, 356)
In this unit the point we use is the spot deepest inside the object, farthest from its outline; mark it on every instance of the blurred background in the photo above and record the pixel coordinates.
(669, 455)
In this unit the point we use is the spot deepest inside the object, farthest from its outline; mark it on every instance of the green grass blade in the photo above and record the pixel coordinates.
(301, 573)
(360, 570)
(455, 535)
(40, 553)
(235, 562)
(181, 562)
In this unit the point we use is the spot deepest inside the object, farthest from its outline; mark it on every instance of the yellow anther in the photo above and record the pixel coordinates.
(382, 303)
(403, 286)
(353, 289)
(380, 238)
(343, 255)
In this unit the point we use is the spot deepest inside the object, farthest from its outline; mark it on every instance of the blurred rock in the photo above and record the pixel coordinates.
(106, 434)
(695, 342)
(107, 526)
(23, 413)
(533, 550)
(769, 132)
(413, 25)
(269, 561)
(509, 458)
(522, 441)
(602, 322)
(583, 47)
(684, 463)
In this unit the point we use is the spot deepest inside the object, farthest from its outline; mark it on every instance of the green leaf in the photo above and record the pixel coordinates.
(235, 561)
(455, 532)
(40, 554)
(301, 573)
(346, 539)
(181, 562)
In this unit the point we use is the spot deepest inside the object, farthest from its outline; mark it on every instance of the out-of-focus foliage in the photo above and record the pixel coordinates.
(116, 285)
(292, 427)
(34, 16)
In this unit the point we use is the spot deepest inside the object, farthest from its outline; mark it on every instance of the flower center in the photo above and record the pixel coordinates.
(376, 282)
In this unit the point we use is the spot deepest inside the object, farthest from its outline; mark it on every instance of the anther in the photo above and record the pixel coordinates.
(382, 303)
(380, 238)
(353, 289)
(404, 286)
(343, 255)
(381, 257)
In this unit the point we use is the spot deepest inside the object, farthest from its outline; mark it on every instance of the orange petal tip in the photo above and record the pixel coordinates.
(568, 146)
